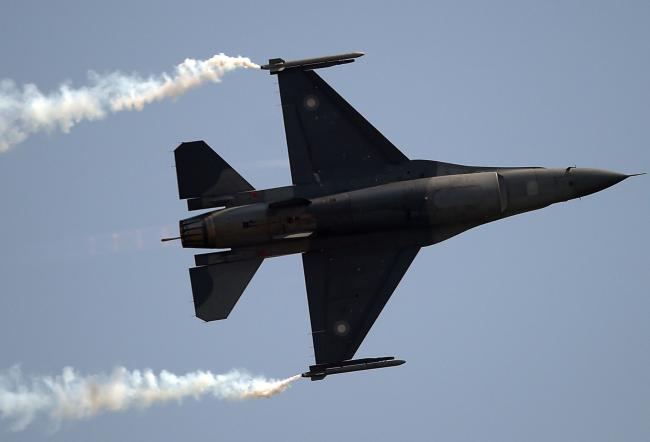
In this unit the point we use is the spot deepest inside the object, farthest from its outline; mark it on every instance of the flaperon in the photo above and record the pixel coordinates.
(359, 210)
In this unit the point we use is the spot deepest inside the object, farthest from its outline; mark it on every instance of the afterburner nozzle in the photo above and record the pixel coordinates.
(194, 232)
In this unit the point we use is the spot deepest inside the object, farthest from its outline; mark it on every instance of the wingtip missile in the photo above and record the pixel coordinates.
(277, 65)
(319, 371)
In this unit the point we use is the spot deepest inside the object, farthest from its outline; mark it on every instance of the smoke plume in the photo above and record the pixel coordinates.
(26, 110)
(70, 396)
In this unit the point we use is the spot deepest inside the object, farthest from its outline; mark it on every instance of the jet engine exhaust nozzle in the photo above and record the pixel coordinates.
(194, 232)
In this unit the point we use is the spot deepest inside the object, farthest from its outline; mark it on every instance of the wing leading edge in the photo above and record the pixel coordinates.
(346, 291)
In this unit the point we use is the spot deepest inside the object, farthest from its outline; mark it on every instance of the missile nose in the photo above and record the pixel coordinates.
(588, 181)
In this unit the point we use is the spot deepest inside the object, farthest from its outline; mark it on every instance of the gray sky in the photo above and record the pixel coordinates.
(533, 328)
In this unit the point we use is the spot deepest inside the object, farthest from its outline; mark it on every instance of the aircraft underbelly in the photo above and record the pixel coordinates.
(470, 197)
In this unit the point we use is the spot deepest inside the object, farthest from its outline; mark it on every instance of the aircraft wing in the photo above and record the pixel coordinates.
(346, 291)
(328, 140)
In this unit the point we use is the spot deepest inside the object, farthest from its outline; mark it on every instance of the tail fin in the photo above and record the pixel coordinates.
(201, 172)
(216, 288)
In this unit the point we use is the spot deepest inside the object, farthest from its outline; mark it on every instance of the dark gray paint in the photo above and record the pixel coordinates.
(359, 210)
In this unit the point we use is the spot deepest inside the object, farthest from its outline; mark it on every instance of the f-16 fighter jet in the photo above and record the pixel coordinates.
(359, 210)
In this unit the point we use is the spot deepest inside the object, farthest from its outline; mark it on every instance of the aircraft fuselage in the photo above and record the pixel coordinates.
(358, 211)
(422, 211)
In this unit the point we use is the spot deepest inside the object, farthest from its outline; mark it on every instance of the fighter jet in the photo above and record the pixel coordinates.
(358, 211)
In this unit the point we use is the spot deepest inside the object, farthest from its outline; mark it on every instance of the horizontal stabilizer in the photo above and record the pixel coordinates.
(217, 288)
(201, 172)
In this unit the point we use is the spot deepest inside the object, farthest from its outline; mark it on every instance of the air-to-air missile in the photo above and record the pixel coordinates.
(319, 371)
(277, 65)
(358, 211)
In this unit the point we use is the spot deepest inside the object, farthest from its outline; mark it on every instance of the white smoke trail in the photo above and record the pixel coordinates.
(70, 396)
(26, 110)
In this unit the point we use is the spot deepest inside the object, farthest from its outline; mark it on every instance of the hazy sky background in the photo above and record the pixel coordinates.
(534, 328)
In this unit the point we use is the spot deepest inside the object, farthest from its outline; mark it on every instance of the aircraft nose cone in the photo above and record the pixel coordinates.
(588, 181)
